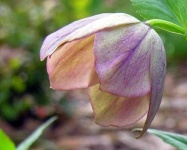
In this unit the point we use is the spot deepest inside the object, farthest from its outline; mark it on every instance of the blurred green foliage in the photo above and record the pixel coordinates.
(23, 26)
(6, 142)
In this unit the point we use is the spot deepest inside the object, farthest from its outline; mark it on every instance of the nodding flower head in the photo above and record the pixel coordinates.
(118, 58)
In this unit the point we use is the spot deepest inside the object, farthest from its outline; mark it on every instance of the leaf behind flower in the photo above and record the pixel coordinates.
(169, 10)
(176, 140)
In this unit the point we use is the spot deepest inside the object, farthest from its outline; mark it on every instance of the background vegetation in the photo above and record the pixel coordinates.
(24, 85)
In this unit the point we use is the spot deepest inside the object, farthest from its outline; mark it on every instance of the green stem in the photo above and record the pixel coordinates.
(167, 26)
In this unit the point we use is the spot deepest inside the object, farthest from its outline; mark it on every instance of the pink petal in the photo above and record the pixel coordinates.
(111, 110)
(72, 65)
(122, 60)
(157, 73)
(83, 28)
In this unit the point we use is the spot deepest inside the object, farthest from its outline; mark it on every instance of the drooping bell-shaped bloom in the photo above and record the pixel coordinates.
(120, 59)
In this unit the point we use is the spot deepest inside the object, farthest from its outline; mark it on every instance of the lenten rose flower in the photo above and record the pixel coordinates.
(120, 59)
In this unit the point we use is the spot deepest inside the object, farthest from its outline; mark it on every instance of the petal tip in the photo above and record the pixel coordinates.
(43, 54)
(140, 135)
(142, 132)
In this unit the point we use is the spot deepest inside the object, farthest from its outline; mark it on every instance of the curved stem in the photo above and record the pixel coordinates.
(167, 26)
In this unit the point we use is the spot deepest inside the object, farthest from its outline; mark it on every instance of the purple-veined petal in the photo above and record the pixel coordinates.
(72, 65)
(122, 60)
(157, 73)
(112, 110)
(83, 28)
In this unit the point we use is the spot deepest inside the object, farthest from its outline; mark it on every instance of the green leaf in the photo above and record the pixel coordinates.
(174, 11)
(176, 140)
(5, 142)
(179, 8)
(35, 135)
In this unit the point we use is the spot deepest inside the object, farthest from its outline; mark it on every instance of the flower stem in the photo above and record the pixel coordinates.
(167, 26)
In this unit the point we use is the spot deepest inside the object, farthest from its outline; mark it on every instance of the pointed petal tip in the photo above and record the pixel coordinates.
(49, 46)
(141, 134)
(42, 53)
(42, 58)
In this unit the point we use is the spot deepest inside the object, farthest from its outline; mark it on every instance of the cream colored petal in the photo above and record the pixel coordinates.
(112, 110)
(72, 65)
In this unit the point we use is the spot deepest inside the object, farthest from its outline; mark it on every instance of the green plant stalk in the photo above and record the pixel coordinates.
(35, 135)
(167, 26)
